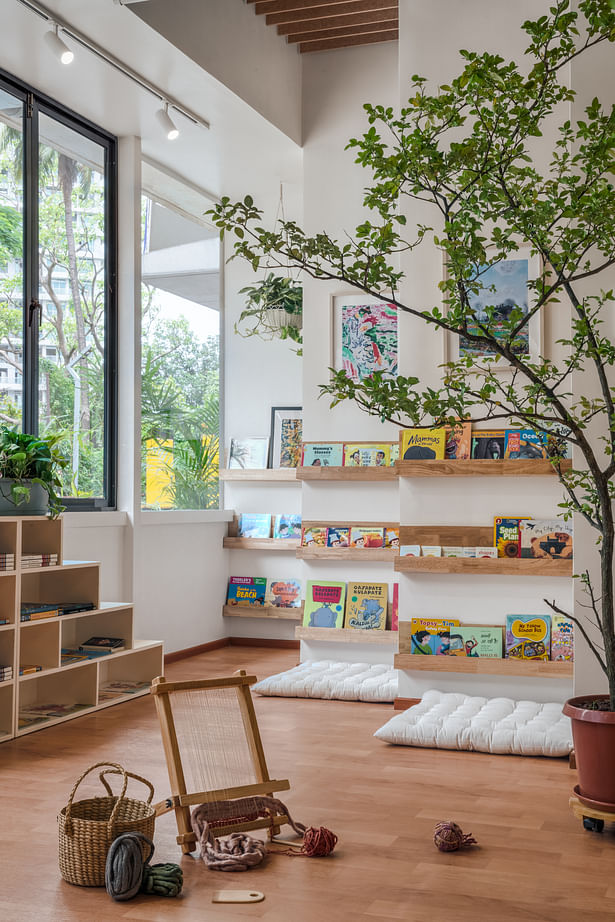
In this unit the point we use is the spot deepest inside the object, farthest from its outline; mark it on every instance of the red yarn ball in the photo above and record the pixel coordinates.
(318, 842)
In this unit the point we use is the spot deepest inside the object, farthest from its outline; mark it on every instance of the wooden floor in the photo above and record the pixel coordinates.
(535, 861)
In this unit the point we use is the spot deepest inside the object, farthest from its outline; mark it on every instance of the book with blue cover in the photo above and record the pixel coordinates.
(287, 526)
(246, 590)
(254, 525)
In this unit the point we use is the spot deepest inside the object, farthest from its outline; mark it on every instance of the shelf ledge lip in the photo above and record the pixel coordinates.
(154, 517)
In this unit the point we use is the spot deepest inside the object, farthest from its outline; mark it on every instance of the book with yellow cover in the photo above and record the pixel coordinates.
(366, 454)
(458, 442)
(423, 444)
(366, 606)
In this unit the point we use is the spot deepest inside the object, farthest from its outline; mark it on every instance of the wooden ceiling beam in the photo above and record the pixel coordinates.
(390, 14)
(286, 6)
(324, 11)
(329, 44)
(369, 28)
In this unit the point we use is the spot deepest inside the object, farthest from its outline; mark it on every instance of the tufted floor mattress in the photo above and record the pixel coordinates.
(329, 679)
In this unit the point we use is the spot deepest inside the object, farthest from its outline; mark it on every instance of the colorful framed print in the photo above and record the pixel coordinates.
(365, 336)
(286, 441)
(505, 287)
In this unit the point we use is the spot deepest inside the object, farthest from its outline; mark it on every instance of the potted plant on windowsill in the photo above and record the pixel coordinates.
(30, 469)
(276, 306)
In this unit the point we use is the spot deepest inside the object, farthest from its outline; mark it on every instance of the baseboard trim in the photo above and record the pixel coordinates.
(402, 704)
(264, 642)
(194, 651)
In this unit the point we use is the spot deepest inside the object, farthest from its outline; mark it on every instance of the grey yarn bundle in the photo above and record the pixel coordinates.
(124, 867)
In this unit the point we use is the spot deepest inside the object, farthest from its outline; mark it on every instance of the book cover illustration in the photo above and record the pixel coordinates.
(322, 454)
(528, 636)
(423, 444)
(410, 550)
(507, 535)
(393, 453)
(458, 445)
(254, 525)
(366, 606)
(395, 608)
(283, 593)
(248, 454)
(477, 641)
(324, 604)
(542, 538)
(366, 536)
(453, 551)
(486, 552)
(338, 537)
(431, 550)
(431, 636)
(391, 537)
(532, 445)
(488, 444)
(562, 639)
(366, 455)
(246, 590)
(314, 536)
(291, 442)
(287, 526)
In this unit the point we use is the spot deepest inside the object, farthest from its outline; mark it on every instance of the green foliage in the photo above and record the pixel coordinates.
(27, 459)
(11, 233)
(273, 293)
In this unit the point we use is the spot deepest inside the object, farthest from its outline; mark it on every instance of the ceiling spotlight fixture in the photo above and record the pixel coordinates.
(59, 48)
(167, 123)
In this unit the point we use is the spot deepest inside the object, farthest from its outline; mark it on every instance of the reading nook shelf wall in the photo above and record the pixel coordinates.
(234, 543)
(364, 554)
(50, 692)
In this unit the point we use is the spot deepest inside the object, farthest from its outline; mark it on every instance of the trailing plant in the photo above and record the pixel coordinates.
(468, 150)
(275, 308)
(27, 459)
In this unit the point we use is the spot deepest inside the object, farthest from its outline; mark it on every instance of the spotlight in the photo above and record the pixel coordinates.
(59, 48)
(167, 123)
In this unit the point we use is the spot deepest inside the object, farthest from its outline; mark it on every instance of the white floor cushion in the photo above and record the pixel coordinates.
(497, 725)
(328, 679)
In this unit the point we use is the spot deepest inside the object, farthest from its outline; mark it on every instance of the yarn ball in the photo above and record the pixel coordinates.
(318, 842)
(448, 837)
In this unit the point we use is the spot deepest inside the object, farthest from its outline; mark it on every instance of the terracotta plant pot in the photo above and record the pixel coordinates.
(593, 734)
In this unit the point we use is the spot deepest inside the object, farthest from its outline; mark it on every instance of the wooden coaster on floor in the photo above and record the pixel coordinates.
(237, 896)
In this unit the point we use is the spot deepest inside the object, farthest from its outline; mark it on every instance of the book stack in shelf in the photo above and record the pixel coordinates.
(51, 608)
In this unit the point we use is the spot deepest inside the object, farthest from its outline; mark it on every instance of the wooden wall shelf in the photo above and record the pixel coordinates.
(412, 662)
(494, 566)
(365, 554)
(472, 468)
(263, 611)
(348, 474)
(266, 475)
(344, 635)
(261, 544)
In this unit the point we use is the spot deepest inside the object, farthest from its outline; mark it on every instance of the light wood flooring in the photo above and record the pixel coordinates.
(535, 861)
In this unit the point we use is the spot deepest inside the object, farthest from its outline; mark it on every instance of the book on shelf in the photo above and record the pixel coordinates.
(488, 444)
(391, 537)
(36, 611)
(507, 535)
(322, 454)
(410, 550)
(458, 444)
(283, 593)
(394, 453)
(486, 551)
(287, 526)
(395, 608)
(4, 620)
(34, 561)
(324, 604)
(314, 536)
(431, 636)
(72, 608)
(248, 454)
(338, 536)
(366, 606)
(528, 637)
(365, 454)
(476, 641)
(246, 591)
(29, 668)
(562, 639)
(254, 525)
(7, 561)
(542, 538)
(70, 655)
(525, 445)
(423, 444)
(453, 551)
(99, 642)
(431, 550)
(366, 536)
(119, 688)
(97, 654)
(49, 711)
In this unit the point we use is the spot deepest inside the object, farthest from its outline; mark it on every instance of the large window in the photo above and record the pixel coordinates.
(57, 286)
(180, 381)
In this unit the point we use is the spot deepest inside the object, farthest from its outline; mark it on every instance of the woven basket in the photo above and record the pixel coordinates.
(88, 827)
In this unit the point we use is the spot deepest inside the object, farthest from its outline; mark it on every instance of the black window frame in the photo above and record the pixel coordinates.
(35, 102)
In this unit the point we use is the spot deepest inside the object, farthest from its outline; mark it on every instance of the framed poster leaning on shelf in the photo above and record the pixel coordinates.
(286, 437)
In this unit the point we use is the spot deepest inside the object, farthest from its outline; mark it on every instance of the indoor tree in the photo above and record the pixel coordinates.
(466, 149)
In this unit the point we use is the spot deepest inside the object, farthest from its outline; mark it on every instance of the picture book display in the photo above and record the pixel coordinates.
(360, 454)
(315, 536)
(366, 536)
(366, 606)
(410, 550)
(248, 454)
(246, 590)
(324, 604)
(476, 641)
(525, 445)
(254, 525)
(562, 639)
(283, 593)
(391, 537)
(458, 446)
(338, 537)
(431, 636)
(287, 526)
(423, 444)
(488, 444)
(507, 535)
(322, 454)
(528, 636)
(542, 538)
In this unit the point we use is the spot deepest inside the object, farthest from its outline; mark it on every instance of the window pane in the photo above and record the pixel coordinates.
(11, 260)
(72, 296)
(180, 361)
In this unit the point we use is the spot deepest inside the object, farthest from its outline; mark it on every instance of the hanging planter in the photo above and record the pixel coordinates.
(274, 310)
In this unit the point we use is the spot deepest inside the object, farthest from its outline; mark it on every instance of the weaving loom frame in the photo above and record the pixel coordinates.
(181, 800)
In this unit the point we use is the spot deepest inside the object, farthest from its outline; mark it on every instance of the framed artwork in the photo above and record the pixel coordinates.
(248, 453)
(506, 286)
(286, 436)
(365, 336)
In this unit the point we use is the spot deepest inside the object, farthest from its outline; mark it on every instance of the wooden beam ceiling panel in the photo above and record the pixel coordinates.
(330, 43)
(323, 11)
(369, 28)
(390, 14)
(285, 6)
